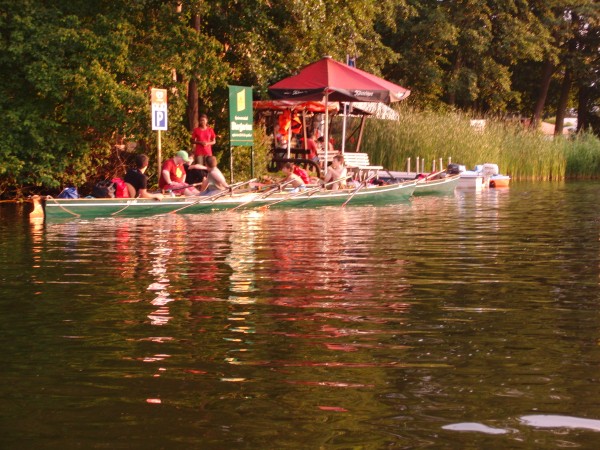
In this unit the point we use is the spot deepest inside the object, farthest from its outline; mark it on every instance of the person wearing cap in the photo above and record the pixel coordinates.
(203, 137)
(172, 177)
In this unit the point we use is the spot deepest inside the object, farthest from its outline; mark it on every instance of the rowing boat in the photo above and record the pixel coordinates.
(438, 183)
(437, 186)
(92, 208)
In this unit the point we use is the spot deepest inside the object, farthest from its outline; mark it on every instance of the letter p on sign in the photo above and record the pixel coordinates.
(159, 109)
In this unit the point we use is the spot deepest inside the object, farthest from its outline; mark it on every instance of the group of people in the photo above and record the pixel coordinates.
(173, 177)
(336, 177)
(314, 143)
(205, 177)
(183, 175)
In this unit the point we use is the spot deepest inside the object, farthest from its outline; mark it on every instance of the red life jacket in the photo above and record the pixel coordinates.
(296, 124)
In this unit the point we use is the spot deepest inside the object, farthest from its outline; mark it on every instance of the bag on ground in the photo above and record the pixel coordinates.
(69, 192)
(104, 189)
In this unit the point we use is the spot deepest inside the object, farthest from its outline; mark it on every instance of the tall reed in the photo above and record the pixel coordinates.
(519, 152)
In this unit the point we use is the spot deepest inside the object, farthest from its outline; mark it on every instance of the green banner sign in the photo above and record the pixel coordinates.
(240, 116)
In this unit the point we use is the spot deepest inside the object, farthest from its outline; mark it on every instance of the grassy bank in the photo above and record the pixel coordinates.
(523, 154)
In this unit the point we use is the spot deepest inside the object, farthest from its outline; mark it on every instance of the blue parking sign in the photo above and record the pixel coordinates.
(159, 118)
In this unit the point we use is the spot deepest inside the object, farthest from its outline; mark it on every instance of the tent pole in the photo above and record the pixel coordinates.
(345, 105)
(289, 137)
(326, 131)
(304, 127)
(360, 135)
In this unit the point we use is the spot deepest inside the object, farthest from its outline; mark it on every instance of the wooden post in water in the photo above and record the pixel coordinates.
(441, 164)
(408, 165)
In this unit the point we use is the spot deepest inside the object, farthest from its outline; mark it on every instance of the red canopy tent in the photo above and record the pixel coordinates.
(338, 82)
(293, 105)
(329, 80)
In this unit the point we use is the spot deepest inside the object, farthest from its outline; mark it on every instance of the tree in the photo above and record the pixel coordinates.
(76, 75)
(462, 53)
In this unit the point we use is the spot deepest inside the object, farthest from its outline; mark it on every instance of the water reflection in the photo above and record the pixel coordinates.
(468, 321)
(160, 260)
(552, 421)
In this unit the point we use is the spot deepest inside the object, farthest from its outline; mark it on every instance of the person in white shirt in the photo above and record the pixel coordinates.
(215, 180)
(337, 171)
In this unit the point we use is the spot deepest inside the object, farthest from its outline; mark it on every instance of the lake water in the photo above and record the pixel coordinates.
(465, 321)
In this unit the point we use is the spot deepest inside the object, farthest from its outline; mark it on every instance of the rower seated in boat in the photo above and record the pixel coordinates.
(301, 173)
(215, 180)
(337, 171)
(291, 178)
(136, 179)
(172, 177)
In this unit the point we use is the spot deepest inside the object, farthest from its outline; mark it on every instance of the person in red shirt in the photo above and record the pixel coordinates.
(291, 177)
(203, 137)
(172, 177)
(313, 146)
(301, 173)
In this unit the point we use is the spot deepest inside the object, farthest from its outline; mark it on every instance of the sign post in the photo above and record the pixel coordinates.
(240, 123)
(158, 99)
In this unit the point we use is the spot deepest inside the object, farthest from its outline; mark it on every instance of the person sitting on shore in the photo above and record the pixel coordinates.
(280, 141)
(313, 147)
(321, 144)
(173, 175)
(337, 171)
(215, 180)
(136, 180)
(291, 177)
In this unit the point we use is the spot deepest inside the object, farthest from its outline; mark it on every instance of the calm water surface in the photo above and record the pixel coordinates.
(466, 321)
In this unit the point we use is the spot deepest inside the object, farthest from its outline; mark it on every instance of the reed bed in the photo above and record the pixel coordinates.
(521, 153)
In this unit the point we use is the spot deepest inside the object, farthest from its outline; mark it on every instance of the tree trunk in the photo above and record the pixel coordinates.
(583, 111)
(547, 71)
(562, 102)
(453, 79)
(568, 79)
(192, 109)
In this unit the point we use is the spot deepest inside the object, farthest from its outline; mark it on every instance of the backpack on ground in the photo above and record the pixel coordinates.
(69, 192)
(104, 189)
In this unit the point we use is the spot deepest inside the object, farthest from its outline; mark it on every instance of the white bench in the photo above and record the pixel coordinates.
(357, 163)
(361, 166)
(330, 155)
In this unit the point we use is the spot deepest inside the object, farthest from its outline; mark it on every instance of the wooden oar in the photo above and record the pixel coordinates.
(183, 187)
(308, 192)
(360, 186)
(214, 196)
(431, 175)
(264, 194)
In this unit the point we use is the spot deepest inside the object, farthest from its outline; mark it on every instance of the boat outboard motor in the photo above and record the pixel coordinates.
(453, 169)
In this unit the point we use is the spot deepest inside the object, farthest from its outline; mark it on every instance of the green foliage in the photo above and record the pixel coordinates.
(78, 78)
(521, 153)
(582, 156)
(76, 74)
